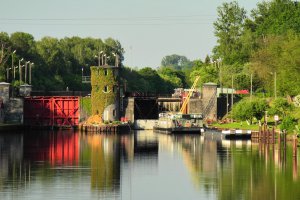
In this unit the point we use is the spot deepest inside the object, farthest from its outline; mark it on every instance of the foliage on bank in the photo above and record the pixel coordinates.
(86, 105)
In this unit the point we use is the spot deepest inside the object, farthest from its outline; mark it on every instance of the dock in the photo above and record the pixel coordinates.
(236, 134)
(120, 128)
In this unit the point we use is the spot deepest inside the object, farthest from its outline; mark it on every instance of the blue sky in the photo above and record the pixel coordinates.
(147, 29)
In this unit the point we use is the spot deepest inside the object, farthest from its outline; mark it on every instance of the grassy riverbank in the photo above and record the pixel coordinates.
(236, 125)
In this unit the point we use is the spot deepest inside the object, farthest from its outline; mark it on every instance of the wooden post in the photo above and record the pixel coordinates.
(273, 135)
(295, 143)
(295, 168)
(284, 139)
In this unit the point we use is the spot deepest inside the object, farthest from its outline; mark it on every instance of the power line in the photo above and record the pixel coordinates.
(184, 17)
(106, 24)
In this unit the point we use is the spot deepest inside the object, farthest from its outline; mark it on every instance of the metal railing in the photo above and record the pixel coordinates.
(86, 79)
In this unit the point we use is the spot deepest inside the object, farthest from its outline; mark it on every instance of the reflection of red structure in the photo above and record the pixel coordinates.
(57, 148)
(64, 149)
(51, 111)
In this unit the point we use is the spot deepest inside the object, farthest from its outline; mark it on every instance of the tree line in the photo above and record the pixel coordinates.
(58, 63)
(258, 44)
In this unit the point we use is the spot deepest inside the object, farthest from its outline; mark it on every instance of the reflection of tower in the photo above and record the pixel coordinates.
(105, 92)
(105, 162)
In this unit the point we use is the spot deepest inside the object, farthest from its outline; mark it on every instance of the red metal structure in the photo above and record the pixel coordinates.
(51, 111)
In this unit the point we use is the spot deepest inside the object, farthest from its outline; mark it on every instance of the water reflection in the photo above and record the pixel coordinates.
(144, 165)
(103, 151)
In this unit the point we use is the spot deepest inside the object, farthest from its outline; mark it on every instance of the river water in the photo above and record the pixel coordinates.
(143, 165)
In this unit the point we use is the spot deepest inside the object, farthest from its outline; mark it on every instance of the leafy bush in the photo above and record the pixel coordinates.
(297, 101)
(288, 123)
(243, 111)
(86, 105)
(280, 106)
(246, 109)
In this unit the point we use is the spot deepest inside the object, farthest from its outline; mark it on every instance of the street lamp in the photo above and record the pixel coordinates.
(12, 61)
(7, 73)
(28, 62)
(30, 65)
(99, 56)
(116, 59)
(14, 69)
(20, 70)
(104, 59)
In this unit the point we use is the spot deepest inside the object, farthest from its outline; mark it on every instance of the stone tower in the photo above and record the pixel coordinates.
(209, 101)
(105, 92)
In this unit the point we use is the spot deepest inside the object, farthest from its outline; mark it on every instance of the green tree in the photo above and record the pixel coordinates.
(176, 62)
(5, 52)
(275, 17)
(278, 54)
(248, 109)
(228, 30)
(243, 111)
(259, 107)
(281, 107)
(176, 78)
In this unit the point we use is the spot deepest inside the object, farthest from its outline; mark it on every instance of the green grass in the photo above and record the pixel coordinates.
(236, 125)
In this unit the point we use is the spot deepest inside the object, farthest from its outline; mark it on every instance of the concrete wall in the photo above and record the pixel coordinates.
(14, 111)
(209, 101)
(128, 104)
(4, 92)
(195, 106)
(110, 113)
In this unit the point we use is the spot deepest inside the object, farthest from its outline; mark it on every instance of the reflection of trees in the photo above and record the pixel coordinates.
(199, 157)
(236, 169)
(13, 171)
(257, 174)
(105, 160)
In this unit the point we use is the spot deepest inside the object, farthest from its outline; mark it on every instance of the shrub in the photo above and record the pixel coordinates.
(288, 123)
(246, 109)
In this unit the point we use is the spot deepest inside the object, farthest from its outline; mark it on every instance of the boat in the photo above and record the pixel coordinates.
(179, 123)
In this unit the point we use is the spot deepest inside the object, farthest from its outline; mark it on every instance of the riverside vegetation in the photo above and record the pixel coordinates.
(263, 42)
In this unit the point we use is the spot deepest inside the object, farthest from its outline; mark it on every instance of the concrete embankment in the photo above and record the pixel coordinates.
(11, 127)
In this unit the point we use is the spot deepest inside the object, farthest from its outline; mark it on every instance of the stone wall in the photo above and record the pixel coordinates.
(209, 101)
(13, 110)
(128, 107)
(195, 106)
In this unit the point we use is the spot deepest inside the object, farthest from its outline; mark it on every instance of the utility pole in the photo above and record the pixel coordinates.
(275, 89)
(220, 73)
(251, 87)
(231, 98)
(227, 102)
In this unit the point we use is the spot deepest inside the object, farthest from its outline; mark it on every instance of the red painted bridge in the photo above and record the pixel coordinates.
(51, 111)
